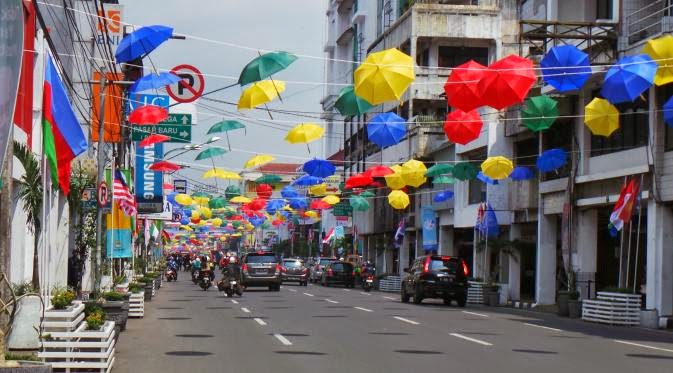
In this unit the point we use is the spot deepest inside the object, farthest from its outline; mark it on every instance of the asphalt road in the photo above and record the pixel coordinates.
(317, 329)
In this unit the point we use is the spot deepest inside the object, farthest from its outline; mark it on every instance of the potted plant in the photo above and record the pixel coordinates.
(135, 287)
(62, 298)
(492, 295)
(149, 287)
(115, 308)
(565, 295)
(94, 316)
(574, 307)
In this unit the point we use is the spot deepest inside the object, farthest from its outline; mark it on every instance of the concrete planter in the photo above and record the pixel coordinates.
(24, 332)
(649, 319)
(117, 311)
(28, 367)
(574, 308)
(149, 290)
(81, 350)
(562, 303)
(137, 305)
(491, 296)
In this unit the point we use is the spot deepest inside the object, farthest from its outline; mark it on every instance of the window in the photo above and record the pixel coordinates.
(454, 56)
(604, 9)
(633, 132)
(476, 189)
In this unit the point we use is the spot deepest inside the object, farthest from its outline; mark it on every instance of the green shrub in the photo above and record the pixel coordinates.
(147, 280)
(113, 296)
(91, 308)
(23, 288)
(17, 357)
(61, 298)
(135, 287)
(96, 319)
(119, 279)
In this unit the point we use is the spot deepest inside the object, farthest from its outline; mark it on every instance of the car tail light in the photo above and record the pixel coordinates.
(466, 270)
(370, 277)
(245, 268)
(330, 272)
(279, 268)
(426, 265)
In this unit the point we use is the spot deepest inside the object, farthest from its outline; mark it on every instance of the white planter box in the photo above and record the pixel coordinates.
(475, 292)
(81, 350)
(390, 284)
(63, 320)
(613, 309)
(137, 304)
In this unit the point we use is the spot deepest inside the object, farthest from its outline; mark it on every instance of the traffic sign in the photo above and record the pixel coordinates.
(180, 186)
(177, 133)
(103, 194)
(178, 118)
(190, 87)
(342, 209)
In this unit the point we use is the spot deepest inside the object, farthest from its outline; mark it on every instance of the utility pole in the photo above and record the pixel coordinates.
(95, 257)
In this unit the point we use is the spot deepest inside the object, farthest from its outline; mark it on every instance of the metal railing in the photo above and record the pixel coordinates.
(648, 20)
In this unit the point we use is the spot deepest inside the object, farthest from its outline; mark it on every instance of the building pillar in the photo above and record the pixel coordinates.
(446, 246)
(404, 253)
(514, 259)
(584, 260)
(545, 273)
(659, 285)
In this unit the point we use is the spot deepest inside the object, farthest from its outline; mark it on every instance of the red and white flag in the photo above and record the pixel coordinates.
(123, 196)
(330, 235)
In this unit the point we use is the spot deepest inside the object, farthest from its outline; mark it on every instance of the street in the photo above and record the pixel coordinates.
(311, 329)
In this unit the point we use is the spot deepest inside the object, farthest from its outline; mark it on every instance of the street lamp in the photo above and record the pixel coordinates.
(190, 147)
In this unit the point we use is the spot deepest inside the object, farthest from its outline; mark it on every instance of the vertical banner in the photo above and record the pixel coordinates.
(429, 229)
(149, 184)
(11, 47)
(118, 236)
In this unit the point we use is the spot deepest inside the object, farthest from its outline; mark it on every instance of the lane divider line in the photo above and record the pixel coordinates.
(363, 309)
(643, 346)
(234, 301)
(475, 314)
(346, 290)
(292, 290)
(479, 341)
(308, 294)
(332, 301)
(390, 298)
(543, 327)
(283, 340)
(260, 321)
(363, 293)
(245, 310)
(412, 322)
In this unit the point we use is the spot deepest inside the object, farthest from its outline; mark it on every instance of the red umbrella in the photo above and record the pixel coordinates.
(257, 204)
(236, 217)
(264, 191)
(168, 186)
(148, 114)
(461, 127)
(507, 82)
(319, 204)
(165, 166)
(376, 184)
(358, 180)
(379, 171)
(276, 222)
(462, 86)
(153, 139)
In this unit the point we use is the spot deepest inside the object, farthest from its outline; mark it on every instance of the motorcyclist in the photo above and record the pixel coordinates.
(173, 265)
(196, 266)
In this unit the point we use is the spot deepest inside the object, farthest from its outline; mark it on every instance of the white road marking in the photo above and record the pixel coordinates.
(332, 301)
(543, 327)
(260, 321)
(390, 298)
(363, 309)
(308, 294)
(245, 310)
(234, 301)
(292, 290)
(406, 320)
(475, 314)
(283, 340)
(346, 290)
(483, 343)
(643, 346)
(363, 293)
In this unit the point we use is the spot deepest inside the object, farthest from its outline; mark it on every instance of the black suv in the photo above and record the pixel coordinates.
(261, 269)
(337, 272)
(435, 276)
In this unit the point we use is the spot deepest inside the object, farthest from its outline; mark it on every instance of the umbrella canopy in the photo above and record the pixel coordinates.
(307, 180)
(304, 133)
(384, 76)
(141, 42)
(264, 191)
(349, 104)
(367, 194)
(386, 129)
(331, 199)
(439, 169)
(152, 139)
(320, 205)
(443, 196)
(668, 112)
(521, 173)
(269, 179)
(443, 180)
(225, 126)
(298, 203)
(539, 113)
(358, 181)
(288, 192)
(485, 179)
(260, 93)
(165, 166)
(465, 171)
(211, 152)
(359, 203)
(379, 171)
(258, 160)
(398, 199)
(232, 191)
(461, 127)
(217, 203)
(507, 82)
(462, 86)
(395, 180)
(148, 114)
(154, 81)
(497, 168)
(272, 206)
(264, 66)
(240, 200)
(661, 50)
(565, 68)
(551, 160)
(318, 190)
(601, 117)
(257, 204)
(629, 78)
(413, 173)
(183, 199)
(319, 168)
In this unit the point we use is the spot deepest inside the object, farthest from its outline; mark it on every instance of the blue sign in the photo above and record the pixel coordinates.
(429, 229)
(118, 243)
(149, 184)
(137, 100)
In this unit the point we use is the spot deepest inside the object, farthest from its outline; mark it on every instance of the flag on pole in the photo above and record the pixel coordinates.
(339, 231)
(624, 207)
(399, 233)
(329, 237)
(121, 193)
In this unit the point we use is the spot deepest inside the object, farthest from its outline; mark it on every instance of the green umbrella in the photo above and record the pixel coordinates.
(359, 203)
(443, 180)
(465, 171)
(201, 194)
(349, 104)
(232, 191)
(266, 225)
(236, 223)
(226, 126)
(439, 169)
(367, 194)
(268, 179)
(264, 66)
(211, 152)
(217, 203)
(539, 113)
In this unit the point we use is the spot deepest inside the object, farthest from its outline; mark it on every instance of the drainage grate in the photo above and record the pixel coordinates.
(188, 353)
(419, 352)
(170, 308)
(649, 356)
(174, 318)
(389, 333)
(301, 353)
(535, 351)
(194, 335)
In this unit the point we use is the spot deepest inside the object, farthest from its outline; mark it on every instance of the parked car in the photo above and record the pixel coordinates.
(317, 269)
(261, 269)
(340, 273)
(435, 276)
(294, 270)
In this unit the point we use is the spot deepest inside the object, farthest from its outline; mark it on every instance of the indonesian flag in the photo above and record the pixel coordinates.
(329, 237)
(624, 207)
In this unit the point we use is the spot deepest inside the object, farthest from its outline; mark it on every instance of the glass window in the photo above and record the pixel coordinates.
(633, 132)
(604, 9)
(443, 265)
(454, 56)
(292, 263)
(261, 259)
(476, 190)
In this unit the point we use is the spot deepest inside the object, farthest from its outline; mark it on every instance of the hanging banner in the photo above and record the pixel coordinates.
(429, 228)
(149, 184)
(11, 50)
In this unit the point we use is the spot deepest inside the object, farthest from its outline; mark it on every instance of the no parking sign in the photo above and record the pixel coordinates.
(191, 85)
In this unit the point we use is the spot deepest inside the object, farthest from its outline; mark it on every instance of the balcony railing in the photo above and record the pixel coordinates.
(650, 20)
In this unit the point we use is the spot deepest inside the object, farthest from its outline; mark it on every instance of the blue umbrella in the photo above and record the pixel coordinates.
(141, 42)
(319, 168)
(551, 160)
(443, 196)
(668, 112)
(487, 225)
(171, 198)
(386, 129)
(629, 78)
(307, 180)
(521, 173)
(288, 192)
(485, 179)
(272, 206)
(154, 81)
(298, 203)
(565, 68)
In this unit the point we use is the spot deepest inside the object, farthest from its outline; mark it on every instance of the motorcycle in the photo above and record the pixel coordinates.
(195, 276)
(205, 283)
(230, 287)
(171, 275)
(368, 285)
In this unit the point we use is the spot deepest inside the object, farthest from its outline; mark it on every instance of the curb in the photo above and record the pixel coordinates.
(521, 305)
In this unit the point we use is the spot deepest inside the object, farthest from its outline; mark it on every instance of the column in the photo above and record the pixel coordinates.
(545, 271)
(446, 246)
(404, 253)
(514, 272)
(584, 260)
(659, 258)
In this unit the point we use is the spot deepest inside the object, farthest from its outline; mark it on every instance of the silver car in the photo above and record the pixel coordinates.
(261, 269)
(318, 267)
(294, 270)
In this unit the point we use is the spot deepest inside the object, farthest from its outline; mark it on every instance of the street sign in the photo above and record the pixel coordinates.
(178, 118)
(89, 198)
(149, 184)
(177, 217)
(177, 133)
(103, 194)
(180, 186)
(190, 87)
(137, 100)
(342, 209)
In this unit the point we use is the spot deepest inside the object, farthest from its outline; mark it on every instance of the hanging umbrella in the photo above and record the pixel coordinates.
(521, 173)
(256, 204)
(331, 199)
(167, 186)
(183, 199)
(349, 104)
(307, 180)
(154, 81)
(213, 151)
(310, 215)
(539, 113)
(507, 82)
(413, 173)
(225, 126)
(258, 160)
(318, 190)
(384, 76)
(378, 171)
(240, 200)
(565, 68)
(141, 42)
(232, 191)
(497, 168)
(367, 194)
(304, 133)
(264, 191)
(272, 206)
(152, 139)
(661, 50)
(551, 160)
(165, 166)
(629, 78)
(485, 179)
(439, 169)
(443, 196)
(443, 180)
(260, 93)
(359, 203)
(269, 179)
(386, 129)
(298, 203)
(601, 117)
(319, 168)
(148, 114)
(358, 181)
(398, 199)
(217, 203)
(320, 205)
(395, 180)
(462, 86)
(264, 66)
(461, 127)
(668, 112)
(288, 192)
(465, 171)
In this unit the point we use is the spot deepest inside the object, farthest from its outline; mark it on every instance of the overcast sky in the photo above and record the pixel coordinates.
(291, 25)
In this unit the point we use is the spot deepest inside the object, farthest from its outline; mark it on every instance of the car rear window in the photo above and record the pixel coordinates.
(292, 263)
(448, 265)
(342, 267)
(324, 262)
(261, 259)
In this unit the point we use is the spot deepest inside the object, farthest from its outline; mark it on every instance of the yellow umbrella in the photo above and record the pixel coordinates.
(398, 199)
(304, 133)
(331, 199)
(215, 172)
(661, 50)
(201, 200)
(206, 212)
(497, 167)
(318, 190)
(240, 199)
(395, 180)
(186, 228)
(183, 199)
(217, 222)
(311, 214)
(260, 93)
(258, 160)
(384, 76)
(601, 117)
(413, 173)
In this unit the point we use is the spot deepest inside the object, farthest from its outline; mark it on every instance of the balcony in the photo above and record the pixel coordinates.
(426, 136)
(649, 21)
(523, 195)
(429, 83)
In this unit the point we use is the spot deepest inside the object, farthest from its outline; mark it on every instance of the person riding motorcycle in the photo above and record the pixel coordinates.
(173, 265)
(196, 267)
